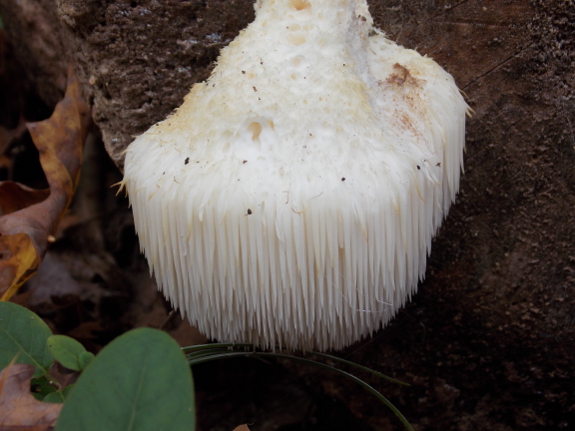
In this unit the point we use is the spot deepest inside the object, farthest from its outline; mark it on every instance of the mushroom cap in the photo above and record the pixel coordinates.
(291, 200)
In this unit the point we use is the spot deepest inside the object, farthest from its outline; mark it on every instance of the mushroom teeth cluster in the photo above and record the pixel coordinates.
(292, 199)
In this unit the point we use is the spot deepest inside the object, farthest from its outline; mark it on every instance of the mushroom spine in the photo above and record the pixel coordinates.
(292, 199)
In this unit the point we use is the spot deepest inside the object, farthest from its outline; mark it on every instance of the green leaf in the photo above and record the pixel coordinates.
(24, 334)
(41, 387)
(85, 358)
(58, 397)
(54, 397)
(67, 351)
(139, 382)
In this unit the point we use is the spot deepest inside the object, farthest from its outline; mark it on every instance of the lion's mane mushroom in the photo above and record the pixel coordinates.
(291, 200)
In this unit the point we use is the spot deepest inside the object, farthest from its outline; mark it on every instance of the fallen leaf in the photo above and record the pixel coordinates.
(14, 197)
(85, 331)
(19, 410)
(30, 218)
(17, 255)
(23, 299)
(242, 428)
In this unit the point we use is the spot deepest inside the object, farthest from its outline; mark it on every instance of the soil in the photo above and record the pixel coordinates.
(489, 340)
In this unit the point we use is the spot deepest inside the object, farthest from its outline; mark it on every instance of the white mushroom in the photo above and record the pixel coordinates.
(291, 200)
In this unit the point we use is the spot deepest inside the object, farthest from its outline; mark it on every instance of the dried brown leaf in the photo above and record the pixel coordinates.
(14, 197)
(31, 217)
(19, 410)
(243, 427)
(19, 260)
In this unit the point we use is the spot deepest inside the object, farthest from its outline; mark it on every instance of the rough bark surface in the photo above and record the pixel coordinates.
(489, 340)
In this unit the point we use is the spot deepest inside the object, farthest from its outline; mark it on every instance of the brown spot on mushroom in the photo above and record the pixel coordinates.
(249, 211)
(402, 77)
(300, 4)
(296, 39)
(256, 128)
(187, 161)
(409, 89)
